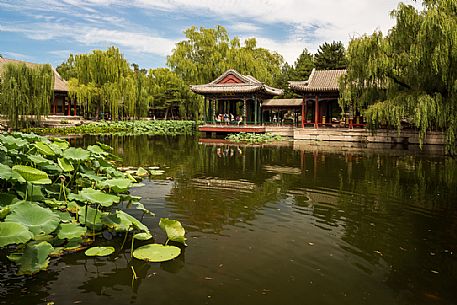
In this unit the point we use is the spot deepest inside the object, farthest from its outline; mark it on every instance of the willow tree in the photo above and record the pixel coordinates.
(25, 92)
(410, 75)
(103, 82)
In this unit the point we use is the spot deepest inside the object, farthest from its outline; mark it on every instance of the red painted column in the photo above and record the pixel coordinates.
(316, 113)
(303, 114)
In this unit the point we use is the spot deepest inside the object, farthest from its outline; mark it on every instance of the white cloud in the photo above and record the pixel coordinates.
(244, 27)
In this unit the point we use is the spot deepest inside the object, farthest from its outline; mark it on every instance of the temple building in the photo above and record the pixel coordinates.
(320, 95)
(233, 103)
(61, 104)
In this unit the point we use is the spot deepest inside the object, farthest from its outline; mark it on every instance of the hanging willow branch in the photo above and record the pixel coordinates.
(25, 93)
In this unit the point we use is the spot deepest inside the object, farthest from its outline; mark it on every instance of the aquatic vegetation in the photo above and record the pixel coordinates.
(156, 253)
(153, 127)
(56, 199)
(253, 137)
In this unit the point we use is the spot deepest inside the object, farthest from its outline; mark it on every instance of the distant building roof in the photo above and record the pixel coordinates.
(282, 102)
(233, 82)
(319, 81)
(59, 83)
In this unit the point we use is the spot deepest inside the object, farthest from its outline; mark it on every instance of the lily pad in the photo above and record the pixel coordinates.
(141, 172)
(118, 185)
(143, 236)
(44, 149)
(97, 150)
(98, 197)
(93, 217)
(32, 175)
(122, 222)
(156, 172)
(6, 173)
(156, 253)
(34, 259)
(65, 165)
(76, 154)
(70, 231)
(13, 233)
(99, 251)
(40, 160)
(39, 221)
(174, 230)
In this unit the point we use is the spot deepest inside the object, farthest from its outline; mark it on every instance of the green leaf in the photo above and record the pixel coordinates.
(13, 143)
(97, 150)
(34, 259)
(62, 144)
(70, 231)
(32, 175)
(122, 222)
(174, 230)
(65, 165)
(13, 233)
(99, 251)
(6, 173)
(143, 236)
(44, 149)
(156, 172)
(156, 253)
(93, 219)
(40, 160)
(118, 185)
(98, 197)
(39, 221)
(76, 154)
(141, 172)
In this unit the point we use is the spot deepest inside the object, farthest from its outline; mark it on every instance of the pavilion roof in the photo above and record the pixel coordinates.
(319, 81)
(282, 102)
(59, 83)
(243, 84)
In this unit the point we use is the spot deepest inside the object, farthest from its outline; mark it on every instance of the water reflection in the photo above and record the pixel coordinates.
(276, 224)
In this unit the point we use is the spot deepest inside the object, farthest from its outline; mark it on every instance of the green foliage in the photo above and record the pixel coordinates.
(78, 199)
(156, 253)
(99, 251)
(153, 127)
(330, 56)
(409, 76)
(174, 230)
(253, 138)
(25, 92)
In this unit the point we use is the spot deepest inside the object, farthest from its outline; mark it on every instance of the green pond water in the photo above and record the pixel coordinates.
(287, 224)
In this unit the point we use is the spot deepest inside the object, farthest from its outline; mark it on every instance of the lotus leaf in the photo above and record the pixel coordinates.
(98, 197)
(135, 222)
(44, 149)
(64, 216)
(143, 236)
(70, 231)
(174, 230)
(118, 185)
(33, 192)
(99, 251)
(97, 150)
(40, 160)
(93, 217)
(32, 175)
(34, 259)
(54, 203)
(13, 233)
(65, 165)
(39, 221)
(105, 147)
(62, 144)
(76, 154)
(91, 176)
(6, 199)
(156, 172)
(156, 253)
(6, 173)
(141, 172)
(12, 143)
(117, 223)
(73, 207)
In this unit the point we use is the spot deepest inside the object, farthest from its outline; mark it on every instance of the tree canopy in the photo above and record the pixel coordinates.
(206, 53)
(410, 75)
(331, 56)
(25, 91)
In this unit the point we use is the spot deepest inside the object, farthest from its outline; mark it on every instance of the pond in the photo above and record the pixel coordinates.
(284, 224)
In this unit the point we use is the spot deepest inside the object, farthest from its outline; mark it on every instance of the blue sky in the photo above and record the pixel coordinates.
(47, 31)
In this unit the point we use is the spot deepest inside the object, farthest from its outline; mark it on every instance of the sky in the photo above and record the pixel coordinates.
(146, 31)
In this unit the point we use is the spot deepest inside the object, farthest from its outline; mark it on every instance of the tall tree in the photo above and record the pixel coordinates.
(330, 56)
(104, 82)
(409, 75)
(303, 66)
(207, 53)
(25, 91)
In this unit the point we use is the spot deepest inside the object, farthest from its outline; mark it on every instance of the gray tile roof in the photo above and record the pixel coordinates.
(319, 81)
(282, 102)
(249, 85)
(59, 83)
